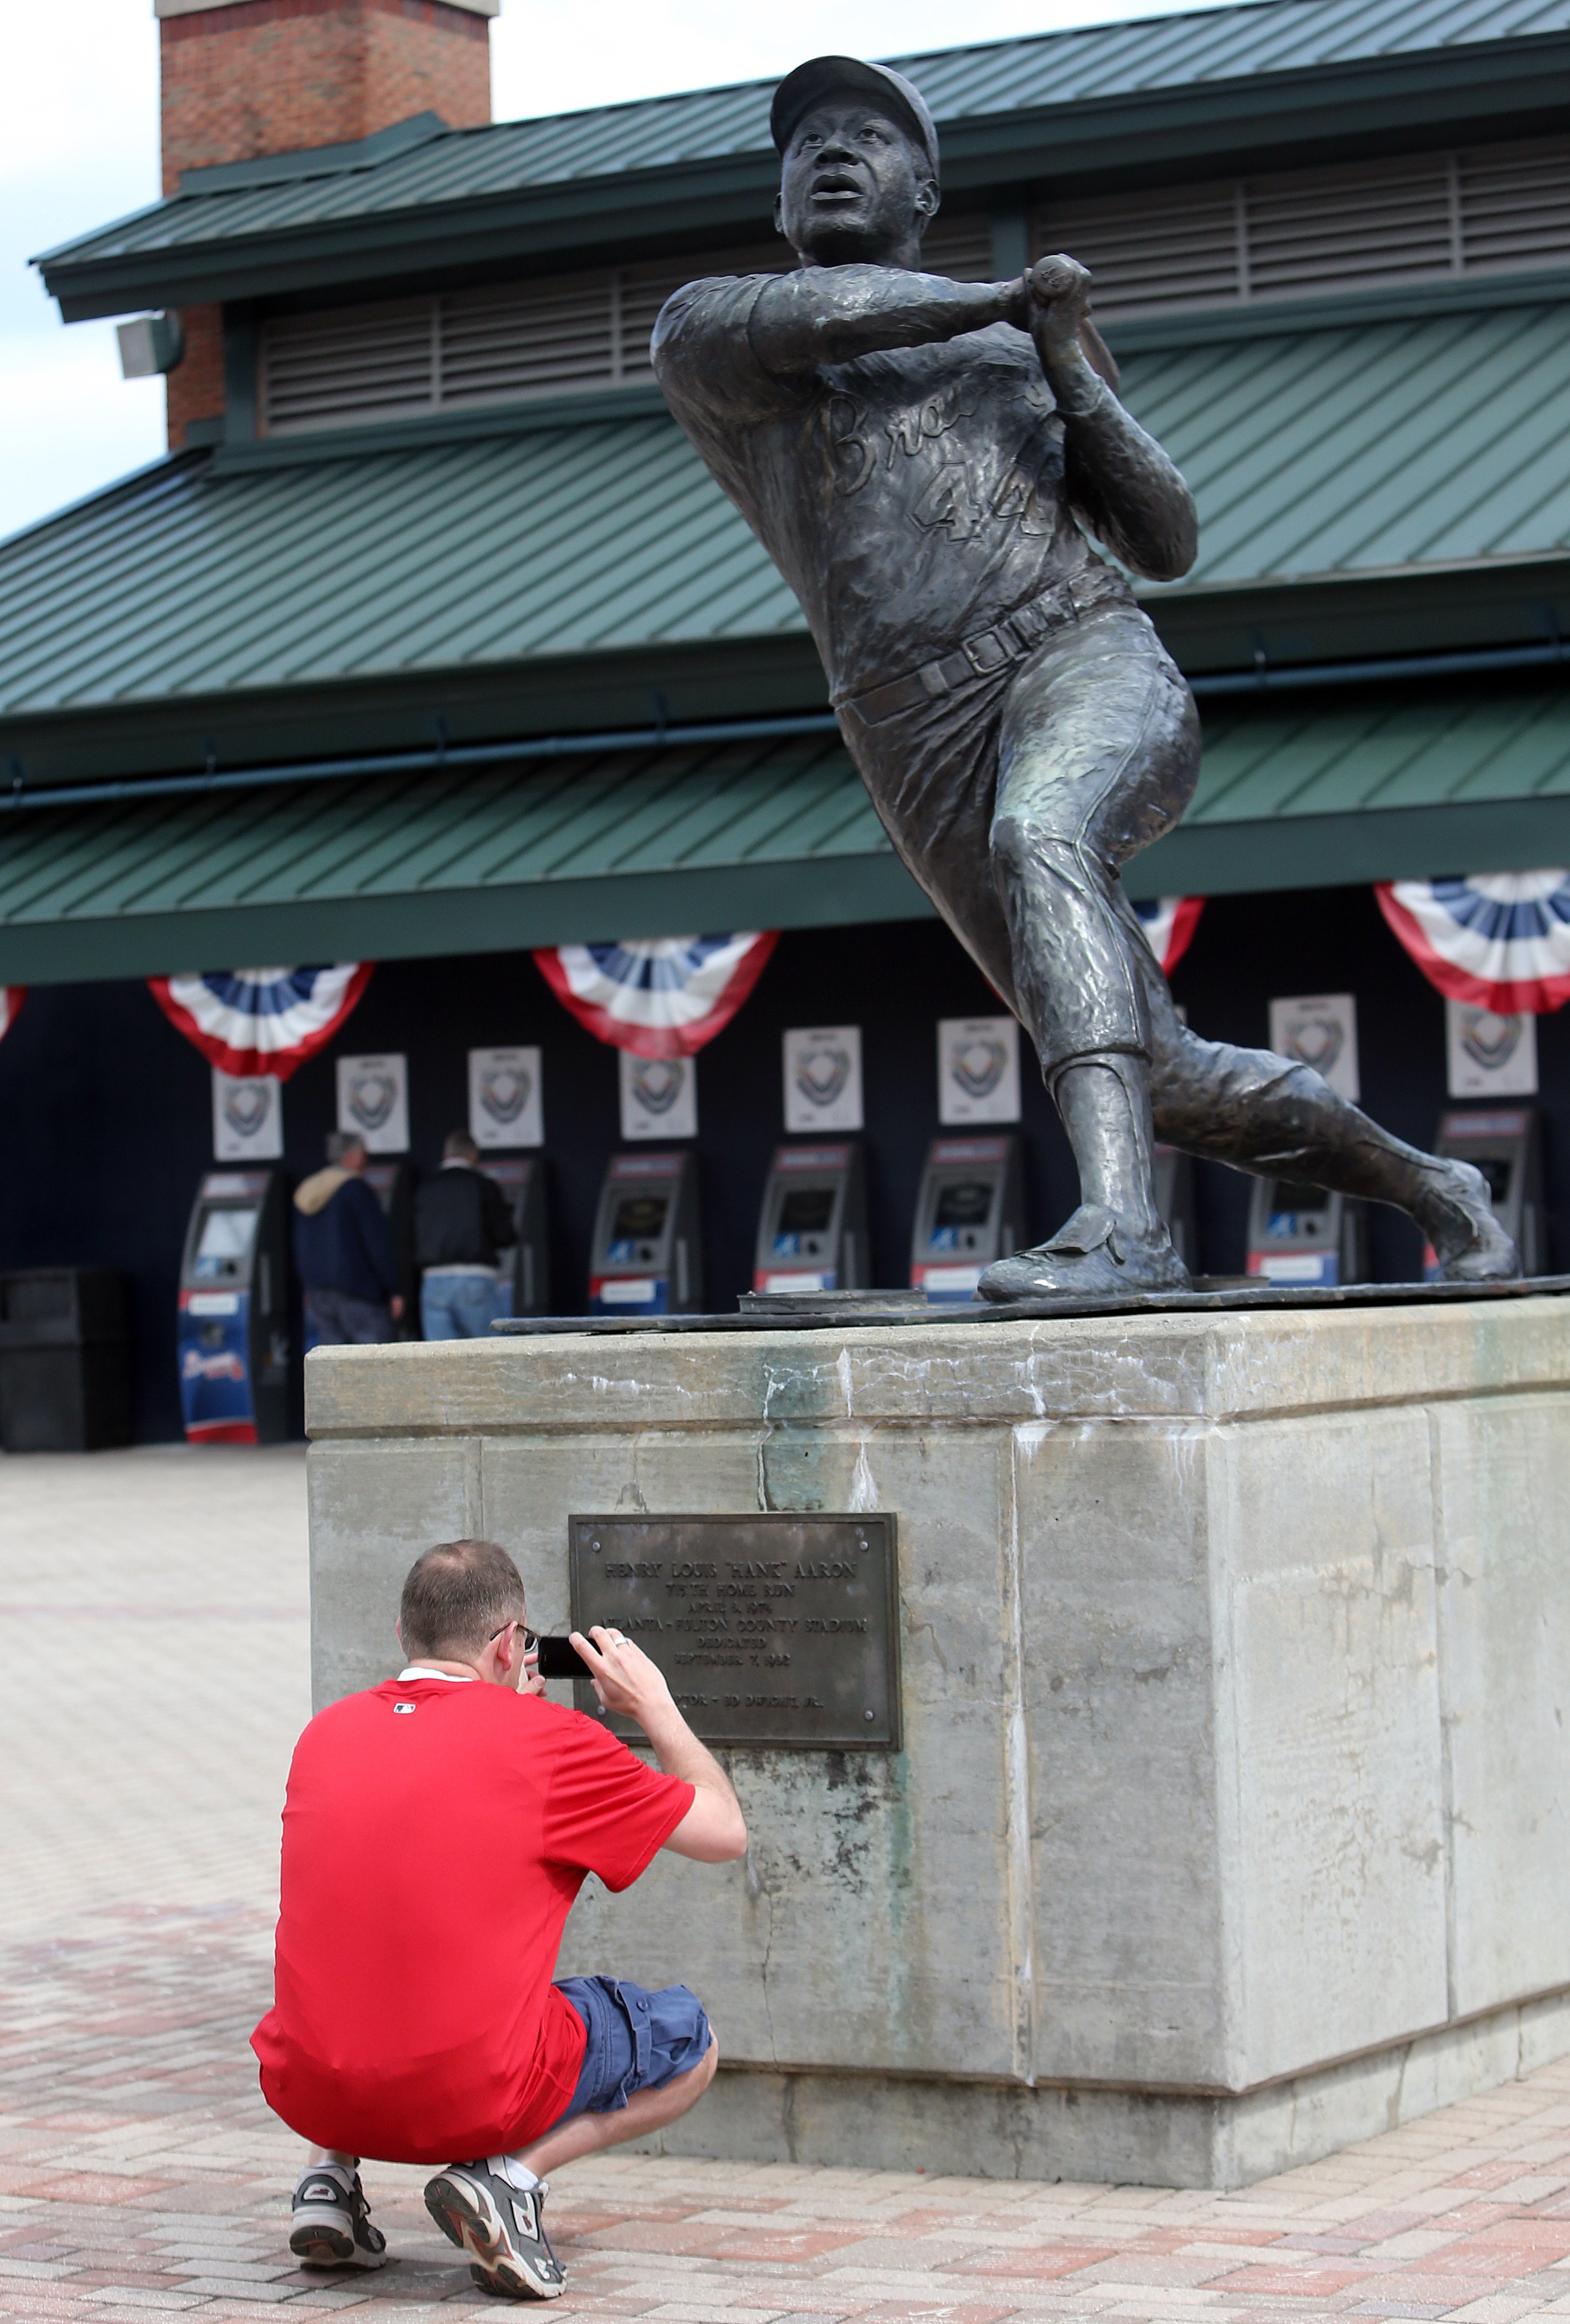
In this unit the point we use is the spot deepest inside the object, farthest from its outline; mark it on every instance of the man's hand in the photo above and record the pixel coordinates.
(622, 1675)
(712, 1830)
(395, 1306)
(1060, 308)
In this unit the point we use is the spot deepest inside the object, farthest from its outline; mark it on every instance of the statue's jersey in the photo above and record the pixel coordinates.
(911, 497)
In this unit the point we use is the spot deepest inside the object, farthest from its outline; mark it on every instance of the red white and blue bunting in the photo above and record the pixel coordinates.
(1168, 923)
(249, 1021)
(12, 997)
(660, 997)
(1499, 940)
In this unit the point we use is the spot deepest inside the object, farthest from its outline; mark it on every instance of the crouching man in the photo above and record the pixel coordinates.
(436, 1831)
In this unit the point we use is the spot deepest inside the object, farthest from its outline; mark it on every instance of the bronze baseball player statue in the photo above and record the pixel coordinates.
(927, 462)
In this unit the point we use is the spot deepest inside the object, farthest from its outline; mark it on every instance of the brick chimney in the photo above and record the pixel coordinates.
(241, 78)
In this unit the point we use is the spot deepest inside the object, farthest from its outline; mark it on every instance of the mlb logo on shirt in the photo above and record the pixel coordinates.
(405, 1706)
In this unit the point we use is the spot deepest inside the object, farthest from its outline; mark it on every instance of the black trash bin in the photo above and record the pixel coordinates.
(65, 1360)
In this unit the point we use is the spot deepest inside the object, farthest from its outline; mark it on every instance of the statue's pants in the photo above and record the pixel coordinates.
(1015, 800)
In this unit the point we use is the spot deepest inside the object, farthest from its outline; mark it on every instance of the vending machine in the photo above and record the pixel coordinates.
(1506, 1144)
(1301, 1234)
(646, 1257)
(233, 1311)
(1174, 1191)
(392, 1184)
(970, 1211)
(526, 1265)
(811, 1229)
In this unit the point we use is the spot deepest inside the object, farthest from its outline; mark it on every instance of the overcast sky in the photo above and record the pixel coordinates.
(81, 147)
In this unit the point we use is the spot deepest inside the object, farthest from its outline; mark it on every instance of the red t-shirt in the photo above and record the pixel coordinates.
(430, 1858)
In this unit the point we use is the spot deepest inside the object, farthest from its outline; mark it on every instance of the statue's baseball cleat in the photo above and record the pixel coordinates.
(1094, 1252)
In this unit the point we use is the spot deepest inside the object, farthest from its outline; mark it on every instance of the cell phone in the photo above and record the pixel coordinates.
(560, 1658)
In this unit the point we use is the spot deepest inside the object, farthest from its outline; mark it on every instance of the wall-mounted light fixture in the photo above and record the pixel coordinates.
(151, 344)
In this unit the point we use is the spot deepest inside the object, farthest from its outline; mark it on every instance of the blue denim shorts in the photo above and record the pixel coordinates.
(638, 2040)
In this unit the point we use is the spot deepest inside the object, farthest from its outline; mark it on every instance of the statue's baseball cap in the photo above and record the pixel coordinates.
(824, 77)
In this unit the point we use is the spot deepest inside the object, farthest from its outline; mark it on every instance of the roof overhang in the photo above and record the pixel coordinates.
(1476, 90)
(1334, 619)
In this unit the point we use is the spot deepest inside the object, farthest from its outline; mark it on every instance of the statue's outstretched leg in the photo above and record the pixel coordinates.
(1263, 1113)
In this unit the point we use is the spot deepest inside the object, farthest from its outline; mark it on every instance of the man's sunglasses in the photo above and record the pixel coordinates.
(530, 1643)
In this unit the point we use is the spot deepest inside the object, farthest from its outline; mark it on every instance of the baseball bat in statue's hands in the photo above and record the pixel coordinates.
(1059, 293)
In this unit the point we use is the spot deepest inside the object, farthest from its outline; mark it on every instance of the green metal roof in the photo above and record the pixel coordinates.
(213, 580)
(1243, 60)
(194, 579)
(1426, 442)
(744, 835)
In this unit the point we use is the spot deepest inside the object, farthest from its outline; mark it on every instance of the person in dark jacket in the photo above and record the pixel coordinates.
(344, 1252)
(461, 1224)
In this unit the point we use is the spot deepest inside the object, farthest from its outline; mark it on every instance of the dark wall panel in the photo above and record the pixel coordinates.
(106, 1111)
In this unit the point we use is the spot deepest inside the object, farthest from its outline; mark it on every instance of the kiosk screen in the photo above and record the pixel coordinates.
(812, 1223)
(640, 1218)
(524, 1258)
(805, 1210)
(1497, 1168)
(969, 1212)
(224, 1245)
(1301, 1233)
(1507, 1146)
(1290, 1198)
(962, 1203)
(647, 1252)
(232, 1324)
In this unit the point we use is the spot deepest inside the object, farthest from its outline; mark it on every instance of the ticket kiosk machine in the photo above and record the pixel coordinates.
(526, 1264)
(1174, 1192)
(970, 1211)
(812, 1230)
(646, 1257)
(1506, 1144)
(1300, 1234)
(233, 1322)
(392, 1184)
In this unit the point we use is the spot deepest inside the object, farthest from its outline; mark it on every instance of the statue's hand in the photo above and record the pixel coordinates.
(1059, 296)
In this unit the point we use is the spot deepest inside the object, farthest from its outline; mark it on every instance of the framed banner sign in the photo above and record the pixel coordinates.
(659, 1096)
(823, 1078)
(505, 1100)
(978, 1070)
(374, 1101)
(247, 1117)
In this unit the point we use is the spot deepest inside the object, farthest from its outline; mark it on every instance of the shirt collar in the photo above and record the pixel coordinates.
(419, 1670)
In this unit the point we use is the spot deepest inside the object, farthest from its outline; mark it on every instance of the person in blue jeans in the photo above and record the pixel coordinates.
(462, 1225)
(343, 1252)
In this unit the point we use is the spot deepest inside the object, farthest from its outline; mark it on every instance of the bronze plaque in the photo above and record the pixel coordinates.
(775, 1630)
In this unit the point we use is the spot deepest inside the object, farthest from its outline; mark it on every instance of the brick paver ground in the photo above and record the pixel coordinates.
(155, 1609)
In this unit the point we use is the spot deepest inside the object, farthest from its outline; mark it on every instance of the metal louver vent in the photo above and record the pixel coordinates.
(1300, 233)
(461, 351)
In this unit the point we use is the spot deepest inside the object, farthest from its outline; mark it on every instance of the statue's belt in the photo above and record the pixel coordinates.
(1009, 640)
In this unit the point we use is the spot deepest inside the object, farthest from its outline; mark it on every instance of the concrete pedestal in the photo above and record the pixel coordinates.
(1231, 1822)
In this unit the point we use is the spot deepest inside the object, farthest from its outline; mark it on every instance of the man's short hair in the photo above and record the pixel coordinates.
(457, 1596)
(341, 1143)
(459, 1147)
